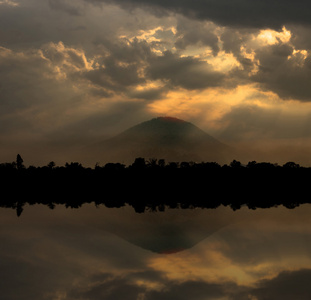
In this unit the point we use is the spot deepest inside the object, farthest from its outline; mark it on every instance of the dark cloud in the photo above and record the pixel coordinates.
(194, 33)
(66, 7)
(114, 76)
(165, 35)
(34, 23)
(231, 41)
(75, 23)
(20, 25)
(121, 66)
(186, 72)
(40, 87)
(60, 56)
(149, 94)
(124, 50)
(18, 284)
(19, 75)
(300, 36)
(287, 285)
(239, 13)
(30, 84)
(108, 286)
(132, 63)
(190, 290)
(283, 72)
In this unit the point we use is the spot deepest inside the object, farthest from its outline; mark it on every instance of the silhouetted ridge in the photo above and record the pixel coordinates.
(165, 137)
(164, 127)
(168, 127)
(170, 119)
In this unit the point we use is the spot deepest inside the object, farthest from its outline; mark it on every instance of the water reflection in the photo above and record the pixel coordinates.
(101, 253)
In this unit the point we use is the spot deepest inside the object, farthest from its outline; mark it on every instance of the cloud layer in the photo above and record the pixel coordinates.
(240, 13)
(214, 63)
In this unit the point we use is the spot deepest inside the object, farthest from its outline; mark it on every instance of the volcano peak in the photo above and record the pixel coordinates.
(170, 119)
(164, 137)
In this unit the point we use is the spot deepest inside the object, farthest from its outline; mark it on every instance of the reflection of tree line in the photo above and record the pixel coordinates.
(154, 184)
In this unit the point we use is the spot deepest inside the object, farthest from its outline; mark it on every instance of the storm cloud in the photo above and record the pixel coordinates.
(239, 13)
(66, 6)
(285, 71)
(187, 72)
(67, 63)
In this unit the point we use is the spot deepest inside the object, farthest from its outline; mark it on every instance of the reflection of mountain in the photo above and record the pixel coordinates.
(169, 232)
(167, 242)
(165, 137)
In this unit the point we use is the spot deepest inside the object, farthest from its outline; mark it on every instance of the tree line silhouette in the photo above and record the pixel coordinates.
(154, 185)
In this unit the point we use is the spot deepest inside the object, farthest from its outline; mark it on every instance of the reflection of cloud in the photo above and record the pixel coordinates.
(149, 285)
(108, 288)
(287, 285)
(71, 256)
(191, 290)
(258, 247)
(152, 286)
(9, 3)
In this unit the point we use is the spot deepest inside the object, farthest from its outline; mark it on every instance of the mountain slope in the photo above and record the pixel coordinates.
(164, 137)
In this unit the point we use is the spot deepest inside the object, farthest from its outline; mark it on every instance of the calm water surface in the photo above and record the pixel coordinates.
(101, 253)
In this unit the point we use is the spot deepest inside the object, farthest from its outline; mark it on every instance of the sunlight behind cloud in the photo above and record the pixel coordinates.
(151, 35)
(160, 38)
(66, 57)
(299, 56)
(209, 106)
(223, 62)
(272, 37)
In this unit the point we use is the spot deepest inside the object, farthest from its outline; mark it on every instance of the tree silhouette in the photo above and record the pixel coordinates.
(19, 162)
(152, 162)
(51, 164)
(235, 164)
(161, 163)
(178, 185)
(73, 166)
(292, 165)
(139, 163)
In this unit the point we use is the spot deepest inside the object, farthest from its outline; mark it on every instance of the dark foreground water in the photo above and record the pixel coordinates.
(115, 253)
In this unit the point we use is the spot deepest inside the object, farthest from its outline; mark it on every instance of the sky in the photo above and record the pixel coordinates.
(95, 253)
(76, 72)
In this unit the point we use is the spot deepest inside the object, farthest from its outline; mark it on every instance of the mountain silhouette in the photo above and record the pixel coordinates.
(166, 232)
(166, 138)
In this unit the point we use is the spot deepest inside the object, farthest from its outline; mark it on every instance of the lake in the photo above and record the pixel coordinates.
(115, 253)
